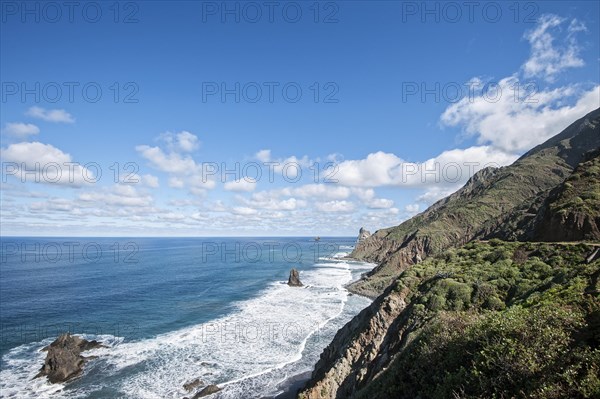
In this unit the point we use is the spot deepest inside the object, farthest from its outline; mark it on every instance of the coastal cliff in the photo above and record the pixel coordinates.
(451, 290)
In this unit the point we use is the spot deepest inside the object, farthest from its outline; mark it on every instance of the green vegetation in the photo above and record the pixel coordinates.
(581, 191)
(499, 320)
(502, 203)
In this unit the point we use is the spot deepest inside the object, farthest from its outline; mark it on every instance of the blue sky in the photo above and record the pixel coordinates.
(413, 97)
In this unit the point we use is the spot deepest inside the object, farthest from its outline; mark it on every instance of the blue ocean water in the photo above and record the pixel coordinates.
(171, 310)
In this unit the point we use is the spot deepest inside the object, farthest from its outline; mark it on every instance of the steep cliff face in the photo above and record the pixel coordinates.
(418, 273)
(447, 326)
(572, 210)
(493, 203)
(358, 350)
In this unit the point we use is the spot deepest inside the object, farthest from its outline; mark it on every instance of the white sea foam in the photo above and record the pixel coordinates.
(248, 352)
(265, 333)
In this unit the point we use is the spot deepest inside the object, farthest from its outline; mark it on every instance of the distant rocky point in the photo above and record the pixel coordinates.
(294, 280)
(64, 361)
(363, 234)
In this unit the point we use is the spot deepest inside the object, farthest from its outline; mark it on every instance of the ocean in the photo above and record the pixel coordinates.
(172, 310)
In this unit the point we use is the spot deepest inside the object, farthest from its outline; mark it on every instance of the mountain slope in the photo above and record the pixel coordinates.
(491, 199)
(572, 210)
(442, 308)
(492, 319)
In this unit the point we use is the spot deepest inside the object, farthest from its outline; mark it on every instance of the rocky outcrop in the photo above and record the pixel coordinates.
(572, 210)
(209, 390)
(294, 279)
(360, 349)
(190, 386)
(64, 360)
(363, 234)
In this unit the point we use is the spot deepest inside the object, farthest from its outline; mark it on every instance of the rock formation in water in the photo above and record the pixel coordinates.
(64, 360)
(363, 234)
(294, 280)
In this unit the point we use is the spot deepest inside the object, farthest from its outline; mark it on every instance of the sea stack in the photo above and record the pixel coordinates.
(294, 280)
(363, 234)
(64, 360)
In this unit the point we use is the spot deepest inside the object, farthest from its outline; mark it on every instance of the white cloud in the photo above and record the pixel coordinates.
(50, 115)
(436, 193)
(20, 129)
(380, 203)
(44, 163)
(290, 167)
(269, 200)
(176, 182)
(386, 169)
(263, 155)
(373, 171)
(150, 180)
(548, 58)
(244, 211)
(335, 206)
(170, 163)
(412, 208)
(515, 126)
(240, 185)
(119, 195)
(183, 141)
(172, 217)
(327, 191)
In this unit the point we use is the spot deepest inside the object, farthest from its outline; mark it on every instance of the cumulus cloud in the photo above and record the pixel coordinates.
(377, 169)
(335, 206)
(244, 211)
(50, 115)
(515, 126)
(167, 162)
(150, 180)
(263, 155)
(120, 195)
(184, 171)
(514, 114)
(291, 167)
(44, 163)
(183, 141)
(412, 208)
(20, 130)
(548, 58)
(328, 191)
(267, 201)
(386, 169)
(241, 185)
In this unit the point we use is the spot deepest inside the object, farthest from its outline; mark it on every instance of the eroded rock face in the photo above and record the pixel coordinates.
(294, 280)
(359, 350)
(64, 360)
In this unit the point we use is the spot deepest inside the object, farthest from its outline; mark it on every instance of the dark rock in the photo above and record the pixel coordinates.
(294, 280)
(64, 360)
(209, 390)
(189, 387)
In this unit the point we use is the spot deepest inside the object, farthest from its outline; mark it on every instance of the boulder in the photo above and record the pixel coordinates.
(294, 280)
(63, 360)
(189, 386)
